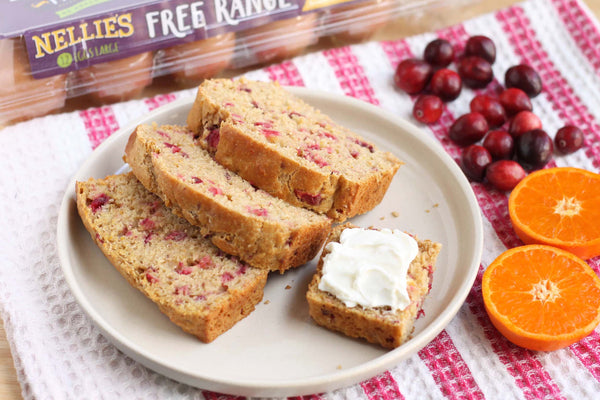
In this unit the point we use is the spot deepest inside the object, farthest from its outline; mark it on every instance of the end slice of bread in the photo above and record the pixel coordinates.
(200, 288)
(379, 325)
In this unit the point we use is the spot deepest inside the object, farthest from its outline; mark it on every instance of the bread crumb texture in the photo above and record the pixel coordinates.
(199, 287)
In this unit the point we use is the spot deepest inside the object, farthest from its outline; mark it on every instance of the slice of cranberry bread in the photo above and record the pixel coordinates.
(288, 148)
(262, 230)
(379, 325)
(201, 289)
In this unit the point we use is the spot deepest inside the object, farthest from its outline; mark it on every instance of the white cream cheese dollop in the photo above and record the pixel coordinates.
(369, 267)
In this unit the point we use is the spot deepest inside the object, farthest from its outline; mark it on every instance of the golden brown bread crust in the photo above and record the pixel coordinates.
(222, 315)
(205, 320)
(283, 175)
(266, 168)
(258, 241)
(355, 198)
(376, 325)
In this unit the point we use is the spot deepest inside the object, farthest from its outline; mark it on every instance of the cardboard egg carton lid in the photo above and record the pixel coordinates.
(62, 35)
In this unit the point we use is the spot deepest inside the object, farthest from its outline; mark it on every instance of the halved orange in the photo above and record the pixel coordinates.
(541, 297)
(559, 207)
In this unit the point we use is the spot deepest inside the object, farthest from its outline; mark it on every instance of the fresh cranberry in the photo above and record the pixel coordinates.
(523, 122)
(500, 144)
(468, 129)
(481, 46)
(505, 174)
(514, 100)
(412, 75)
(475, 72)
(534, 149)
(568, 139)
(428, 108)
(474, 160)
(524, 77)
(490, 108)
(446, 84)
(439, 53)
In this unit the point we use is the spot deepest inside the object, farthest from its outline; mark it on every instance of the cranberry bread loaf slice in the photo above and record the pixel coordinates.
(262, 230)
(201, 289)
(290, 149)
(380, 325)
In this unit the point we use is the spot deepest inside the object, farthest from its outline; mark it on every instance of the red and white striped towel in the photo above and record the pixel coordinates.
(60, 355)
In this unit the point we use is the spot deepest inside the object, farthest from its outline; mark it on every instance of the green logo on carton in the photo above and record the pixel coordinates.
(77, 7)
(64, 60)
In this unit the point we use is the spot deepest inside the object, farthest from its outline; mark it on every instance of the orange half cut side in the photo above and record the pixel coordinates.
(559, 207)
(541, 297)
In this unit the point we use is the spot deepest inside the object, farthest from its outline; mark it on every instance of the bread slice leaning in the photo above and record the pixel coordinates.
(379, 325)
(264, 231)
(201, 289)
(290, 149)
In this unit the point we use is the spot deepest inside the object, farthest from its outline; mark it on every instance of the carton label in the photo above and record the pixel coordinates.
(76, 43)
(79, 43)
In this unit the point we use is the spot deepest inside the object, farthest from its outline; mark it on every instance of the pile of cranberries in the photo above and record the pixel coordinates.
(501, 137)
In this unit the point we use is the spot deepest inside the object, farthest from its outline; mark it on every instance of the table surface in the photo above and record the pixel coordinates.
(9, 385)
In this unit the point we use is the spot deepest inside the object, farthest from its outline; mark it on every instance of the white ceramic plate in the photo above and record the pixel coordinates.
(278, 350)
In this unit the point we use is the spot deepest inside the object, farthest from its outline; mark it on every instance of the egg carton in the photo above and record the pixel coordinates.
(104, 51)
